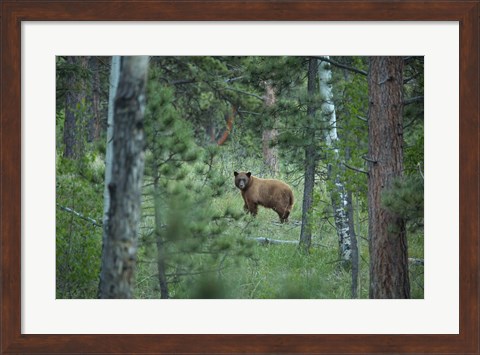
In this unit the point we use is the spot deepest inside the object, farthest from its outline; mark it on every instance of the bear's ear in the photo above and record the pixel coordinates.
(235, 173)
(249, 174)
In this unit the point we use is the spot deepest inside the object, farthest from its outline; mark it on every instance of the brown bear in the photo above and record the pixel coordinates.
(269, 193)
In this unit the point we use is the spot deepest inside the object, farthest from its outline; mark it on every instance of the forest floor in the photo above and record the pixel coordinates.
(278, 271)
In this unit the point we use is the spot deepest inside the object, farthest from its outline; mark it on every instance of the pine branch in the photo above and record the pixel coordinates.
(186, 273)
(413, 100)
(234, 79)
(249, 112)
(245, 93)
(183, 81)
(420, 171)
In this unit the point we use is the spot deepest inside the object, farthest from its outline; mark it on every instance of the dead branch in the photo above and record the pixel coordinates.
(355, 169)
(343, 66)
(79, 215)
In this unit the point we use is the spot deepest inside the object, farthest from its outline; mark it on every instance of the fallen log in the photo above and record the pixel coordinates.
(267, 241)
(415, 261)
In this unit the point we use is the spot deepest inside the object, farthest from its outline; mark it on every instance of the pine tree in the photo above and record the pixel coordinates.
(389, 276)
(310, 158)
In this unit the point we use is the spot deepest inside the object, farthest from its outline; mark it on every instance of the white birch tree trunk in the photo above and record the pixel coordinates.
(125, 188)
(114, 75)
(339, 197)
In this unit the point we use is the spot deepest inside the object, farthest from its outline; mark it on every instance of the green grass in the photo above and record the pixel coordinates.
(228, 263)
(251, 270)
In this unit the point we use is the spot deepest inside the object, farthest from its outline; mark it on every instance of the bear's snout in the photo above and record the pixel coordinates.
(241, 184)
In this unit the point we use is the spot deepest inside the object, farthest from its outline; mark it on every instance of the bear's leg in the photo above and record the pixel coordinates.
(284, 216)
(253, 209)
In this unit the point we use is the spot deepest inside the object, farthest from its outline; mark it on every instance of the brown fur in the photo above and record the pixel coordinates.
(269, 193)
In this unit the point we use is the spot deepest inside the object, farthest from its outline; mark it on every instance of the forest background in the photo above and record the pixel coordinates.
(309, 121)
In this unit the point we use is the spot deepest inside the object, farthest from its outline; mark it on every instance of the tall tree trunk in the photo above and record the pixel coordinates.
(387, 236)
(270, 154)
(355, 254)
(125, 188)
(74, 127)
(339, 197)
(114, 77)
(310, 160)
(94, 123)
(161, 264)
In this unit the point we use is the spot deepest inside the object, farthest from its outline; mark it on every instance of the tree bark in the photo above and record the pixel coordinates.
(114, 77)
(270, 154)
(387, 236)
(74, 126)
(339, 196)
(120, 249)
(161, 264)
(310, 160)
(355, 255)
(94, 123)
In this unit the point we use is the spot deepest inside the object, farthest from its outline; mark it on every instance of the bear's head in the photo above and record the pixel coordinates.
(242, 179)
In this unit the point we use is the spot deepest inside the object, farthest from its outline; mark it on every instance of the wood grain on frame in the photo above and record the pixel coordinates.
(14, 12)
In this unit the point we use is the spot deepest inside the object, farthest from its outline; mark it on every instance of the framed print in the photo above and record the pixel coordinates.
(41, 38)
